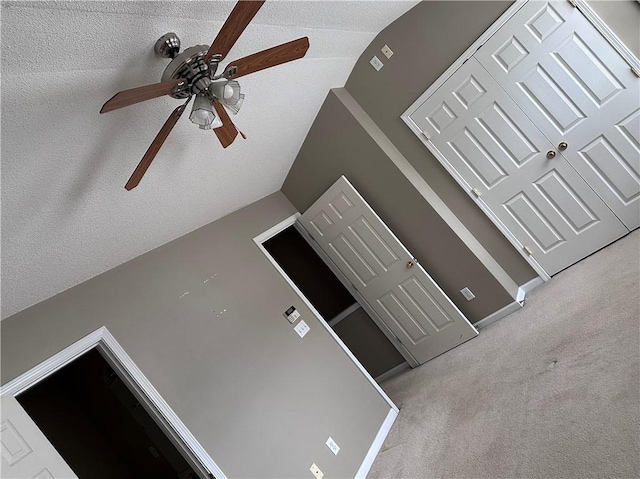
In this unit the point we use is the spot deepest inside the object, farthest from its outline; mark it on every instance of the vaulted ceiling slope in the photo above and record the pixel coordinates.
(65, 214)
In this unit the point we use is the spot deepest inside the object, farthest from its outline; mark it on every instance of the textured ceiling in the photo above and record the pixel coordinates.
(65, 214)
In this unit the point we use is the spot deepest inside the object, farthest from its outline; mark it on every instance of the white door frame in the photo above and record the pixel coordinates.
(154, 404)
(602, 28)
(270, 233)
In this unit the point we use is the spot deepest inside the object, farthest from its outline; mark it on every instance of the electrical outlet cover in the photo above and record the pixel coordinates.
(315, 470)
(466, 292)
(386, 51)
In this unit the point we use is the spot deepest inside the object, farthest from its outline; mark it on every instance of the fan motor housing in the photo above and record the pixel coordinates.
(189, 65)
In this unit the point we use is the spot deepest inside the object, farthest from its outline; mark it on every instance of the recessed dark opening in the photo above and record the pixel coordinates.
(98, 426)
(324, 290)
(307, 270)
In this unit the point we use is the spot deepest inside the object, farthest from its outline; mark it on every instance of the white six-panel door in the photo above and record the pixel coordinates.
(578, 91)
(26, 452)
(502, 156)
(407, 300)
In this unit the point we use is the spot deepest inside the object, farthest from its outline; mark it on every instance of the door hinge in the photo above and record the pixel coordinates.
(426, 135)
(573, 2)
(635, 71)
(527, 250)
(476, 192)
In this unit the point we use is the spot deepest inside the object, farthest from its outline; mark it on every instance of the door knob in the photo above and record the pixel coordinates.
(551, 154)
(409, 264)
(562, 146)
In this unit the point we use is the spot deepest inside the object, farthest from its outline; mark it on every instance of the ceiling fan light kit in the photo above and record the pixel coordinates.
(202, 113)
(192, 73)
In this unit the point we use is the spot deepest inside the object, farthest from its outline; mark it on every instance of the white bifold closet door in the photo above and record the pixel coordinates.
(501, 155)
(406, 299)
(543, 125)
(26, 452)
(579, 92)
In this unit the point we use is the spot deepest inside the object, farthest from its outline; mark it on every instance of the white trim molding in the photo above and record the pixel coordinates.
(468, 53)
(501, 313)
(511, 307)
(607, 33)
(150, 398)
(528, 286)
(51, 365)
(376, 445)
(344, 314)
(393, 372)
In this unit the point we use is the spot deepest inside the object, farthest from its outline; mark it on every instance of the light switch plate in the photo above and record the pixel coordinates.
(331, 444)
(386, 51)
(376, 63)
(302, 328)
(315, 470)
(466, 292)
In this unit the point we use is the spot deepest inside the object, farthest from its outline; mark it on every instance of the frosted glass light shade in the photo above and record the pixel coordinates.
(228, 92)
(202, 114)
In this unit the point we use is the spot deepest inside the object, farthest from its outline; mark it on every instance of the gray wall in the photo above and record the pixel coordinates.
(364, 338)
(623, 17)
(337, 144)
(261, 400)
(425, 42)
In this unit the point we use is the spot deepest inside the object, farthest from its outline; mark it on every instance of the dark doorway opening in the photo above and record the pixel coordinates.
(333, 301)
(99, 427)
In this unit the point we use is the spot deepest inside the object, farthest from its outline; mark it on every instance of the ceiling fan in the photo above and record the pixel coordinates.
(192, 73)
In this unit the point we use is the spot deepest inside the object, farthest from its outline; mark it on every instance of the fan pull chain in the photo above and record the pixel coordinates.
(244, 137)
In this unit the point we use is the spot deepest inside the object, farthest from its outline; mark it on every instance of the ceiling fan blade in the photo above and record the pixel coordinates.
(151, 153)
(227, 132)
(238, 19)
(269, 58)
(142, 93)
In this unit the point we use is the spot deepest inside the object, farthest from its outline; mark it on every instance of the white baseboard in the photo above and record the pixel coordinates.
(393, 371)
(528, 286)
(377, 444)
(501, 313)
(511, 307)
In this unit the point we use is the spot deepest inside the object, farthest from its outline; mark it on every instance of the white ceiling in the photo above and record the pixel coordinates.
(65, 214)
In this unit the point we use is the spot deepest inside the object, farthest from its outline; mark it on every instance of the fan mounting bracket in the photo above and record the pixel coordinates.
(167, 46)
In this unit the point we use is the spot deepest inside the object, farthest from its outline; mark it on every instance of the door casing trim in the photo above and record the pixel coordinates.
(271, 232)
(376, 445)
(150, 398)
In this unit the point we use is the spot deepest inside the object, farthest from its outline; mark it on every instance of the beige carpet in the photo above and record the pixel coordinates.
(552, 391)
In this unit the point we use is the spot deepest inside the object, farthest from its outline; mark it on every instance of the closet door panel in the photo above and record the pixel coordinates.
(500, 154)
(578, 91)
